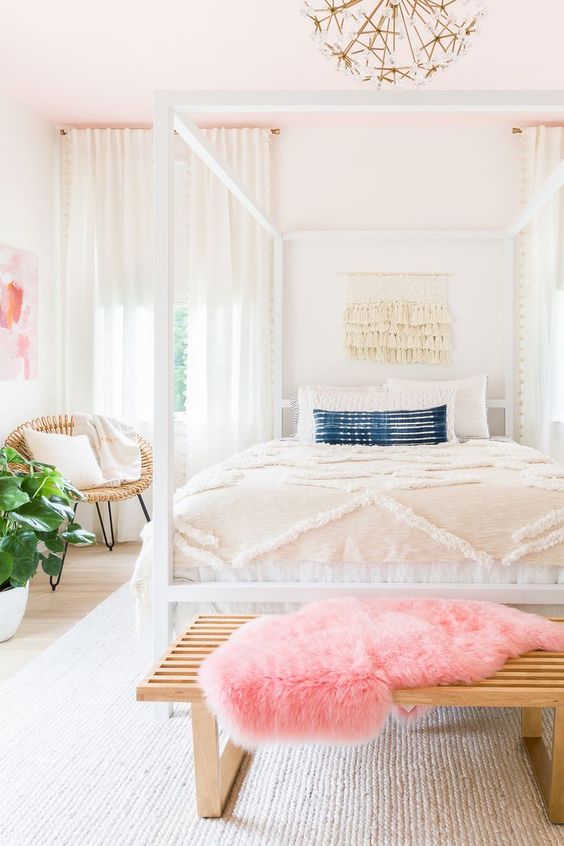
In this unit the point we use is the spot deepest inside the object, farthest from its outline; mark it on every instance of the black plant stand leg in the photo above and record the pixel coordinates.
(54, 582)
(111, 525)
(111, 542)
(144, 507)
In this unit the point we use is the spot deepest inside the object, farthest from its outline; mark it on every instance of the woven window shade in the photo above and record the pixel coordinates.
(398, 317)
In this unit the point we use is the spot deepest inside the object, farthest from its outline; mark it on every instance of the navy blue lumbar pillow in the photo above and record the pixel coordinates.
(381, 428)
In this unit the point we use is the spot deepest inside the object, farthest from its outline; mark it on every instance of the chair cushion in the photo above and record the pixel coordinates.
(71, 455)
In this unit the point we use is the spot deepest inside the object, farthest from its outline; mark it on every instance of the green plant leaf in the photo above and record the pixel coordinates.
(75, 534)
(21, 545)
(11, 456)
(36, 503)
(6, 562)
(43, 484)
(51, 564)
(23, 571)
(39, 516)
(71, 492)
(41, 466)
(65, 511)
(54, 542)
(11, 495)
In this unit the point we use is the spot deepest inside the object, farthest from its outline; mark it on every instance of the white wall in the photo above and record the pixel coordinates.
(460, 176)
(28, 172)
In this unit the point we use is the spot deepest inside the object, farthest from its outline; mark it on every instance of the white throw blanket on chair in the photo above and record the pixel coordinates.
(115, 447)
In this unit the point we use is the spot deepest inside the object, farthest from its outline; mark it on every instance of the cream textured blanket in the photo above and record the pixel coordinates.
(489, 502)
(115, 447)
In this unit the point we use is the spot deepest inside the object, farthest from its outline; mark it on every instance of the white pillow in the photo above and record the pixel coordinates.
(71, 455)
(380, 400)
(306, 403)
(471, 415)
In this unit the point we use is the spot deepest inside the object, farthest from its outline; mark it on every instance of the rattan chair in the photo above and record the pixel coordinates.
(63, 424)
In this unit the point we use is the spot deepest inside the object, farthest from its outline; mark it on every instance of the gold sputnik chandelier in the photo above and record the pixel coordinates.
(393, 42)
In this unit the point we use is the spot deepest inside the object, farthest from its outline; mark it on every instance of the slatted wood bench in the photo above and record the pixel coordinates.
(532, 682)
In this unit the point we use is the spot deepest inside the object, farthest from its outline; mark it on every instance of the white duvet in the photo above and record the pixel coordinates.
(491, 504)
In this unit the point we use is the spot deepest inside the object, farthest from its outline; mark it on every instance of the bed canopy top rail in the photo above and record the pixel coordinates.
(363, 102)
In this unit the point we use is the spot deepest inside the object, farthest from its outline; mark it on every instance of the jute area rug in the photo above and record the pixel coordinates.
(82, 763)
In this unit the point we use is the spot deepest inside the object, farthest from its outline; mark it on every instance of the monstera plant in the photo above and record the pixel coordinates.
(37, 507)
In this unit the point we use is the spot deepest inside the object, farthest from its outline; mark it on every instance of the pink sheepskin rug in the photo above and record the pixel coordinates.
(327, 672)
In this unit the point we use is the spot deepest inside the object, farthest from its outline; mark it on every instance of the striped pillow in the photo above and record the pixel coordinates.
(381, 428)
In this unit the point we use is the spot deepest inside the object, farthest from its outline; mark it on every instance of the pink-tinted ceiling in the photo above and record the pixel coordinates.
(99, 61)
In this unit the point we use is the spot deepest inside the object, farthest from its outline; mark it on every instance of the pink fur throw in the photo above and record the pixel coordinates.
(327, 671)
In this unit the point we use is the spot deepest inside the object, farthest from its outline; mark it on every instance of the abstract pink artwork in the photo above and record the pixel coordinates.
(18, 314)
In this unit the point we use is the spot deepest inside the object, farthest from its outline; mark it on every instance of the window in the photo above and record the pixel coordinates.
(180, 355)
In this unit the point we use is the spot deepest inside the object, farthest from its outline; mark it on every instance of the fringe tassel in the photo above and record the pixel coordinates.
(397, 312)
(539, 527)
(202, 556)
(538, 545)
(201, 537)
(397, 341)
(546, 483)
(407, 515)
(215, 477)
(294, 532)
(402, 332)
(401, 356)
(402, 512)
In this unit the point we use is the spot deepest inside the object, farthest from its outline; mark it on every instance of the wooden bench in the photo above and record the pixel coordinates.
(531, 682)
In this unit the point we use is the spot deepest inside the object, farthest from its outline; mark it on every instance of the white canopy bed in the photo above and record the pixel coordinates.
(533, 584)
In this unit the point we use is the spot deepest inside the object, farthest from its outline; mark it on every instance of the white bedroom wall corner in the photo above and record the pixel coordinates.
(28, 146)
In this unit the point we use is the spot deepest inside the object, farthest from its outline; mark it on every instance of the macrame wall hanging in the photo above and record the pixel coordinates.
(398, 317)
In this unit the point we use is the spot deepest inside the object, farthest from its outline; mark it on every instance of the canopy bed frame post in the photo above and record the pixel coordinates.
(163, 546)
(278, 323)
(509, 333)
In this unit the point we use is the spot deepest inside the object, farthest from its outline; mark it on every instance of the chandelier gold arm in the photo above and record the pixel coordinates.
(391, 41)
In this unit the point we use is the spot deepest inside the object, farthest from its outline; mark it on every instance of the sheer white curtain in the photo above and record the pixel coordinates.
(541, 301)
(107, 264)
(229, 363)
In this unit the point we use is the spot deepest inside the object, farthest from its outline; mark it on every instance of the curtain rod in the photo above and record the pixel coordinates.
(66, 131)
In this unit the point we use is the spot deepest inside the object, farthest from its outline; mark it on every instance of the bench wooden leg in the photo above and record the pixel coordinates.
(214, 773)
(531, 722)
(548, 769)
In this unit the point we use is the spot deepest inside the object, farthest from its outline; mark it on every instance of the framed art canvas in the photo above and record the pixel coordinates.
(18, 314)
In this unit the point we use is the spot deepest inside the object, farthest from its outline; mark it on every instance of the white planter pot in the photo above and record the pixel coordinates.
(12, 608)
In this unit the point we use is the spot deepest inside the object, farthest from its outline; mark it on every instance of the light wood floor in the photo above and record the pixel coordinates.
(90, 575)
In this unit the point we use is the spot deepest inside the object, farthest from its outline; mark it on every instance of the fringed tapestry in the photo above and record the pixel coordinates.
(398, 317)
